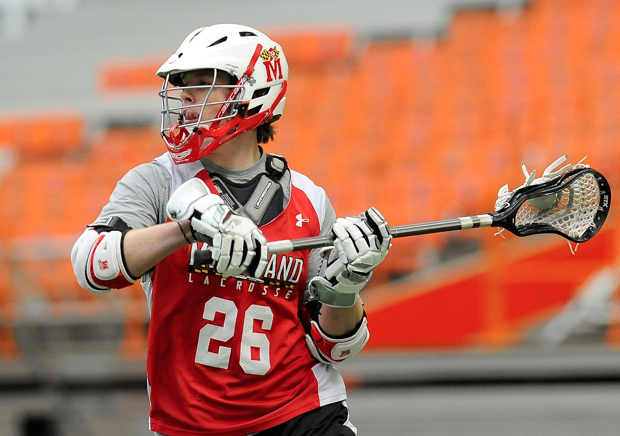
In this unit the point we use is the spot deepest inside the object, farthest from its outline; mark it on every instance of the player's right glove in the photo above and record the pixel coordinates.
(360, 246)
(238, 245)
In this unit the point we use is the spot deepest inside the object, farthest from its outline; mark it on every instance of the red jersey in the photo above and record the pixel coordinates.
(227, 356)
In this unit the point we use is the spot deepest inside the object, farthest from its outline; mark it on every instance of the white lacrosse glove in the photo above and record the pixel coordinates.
(549, 173)
(238, 245)
(360, 246)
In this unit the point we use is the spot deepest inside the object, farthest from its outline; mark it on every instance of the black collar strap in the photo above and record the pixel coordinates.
(263, 194)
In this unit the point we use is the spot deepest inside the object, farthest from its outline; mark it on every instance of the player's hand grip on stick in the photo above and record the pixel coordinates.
(237, 244)
(360, 245)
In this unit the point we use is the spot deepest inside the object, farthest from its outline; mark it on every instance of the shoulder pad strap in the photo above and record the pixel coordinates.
(276, 165)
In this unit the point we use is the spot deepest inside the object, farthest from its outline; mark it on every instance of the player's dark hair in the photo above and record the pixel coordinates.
(265, 133)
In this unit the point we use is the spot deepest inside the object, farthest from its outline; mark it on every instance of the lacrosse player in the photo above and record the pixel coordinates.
(240, 341)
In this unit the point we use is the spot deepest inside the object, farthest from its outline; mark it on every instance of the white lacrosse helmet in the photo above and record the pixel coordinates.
(252, 58)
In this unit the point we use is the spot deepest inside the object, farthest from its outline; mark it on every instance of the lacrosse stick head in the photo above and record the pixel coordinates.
(573, 205)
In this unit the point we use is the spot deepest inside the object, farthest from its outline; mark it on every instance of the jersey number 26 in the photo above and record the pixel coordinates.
(249, 340)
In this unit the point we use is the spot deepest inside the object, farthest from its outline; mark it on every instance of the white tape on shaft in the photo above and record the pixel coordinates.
(486, 220)
(469, 222)
(466, 222)
(280, 246)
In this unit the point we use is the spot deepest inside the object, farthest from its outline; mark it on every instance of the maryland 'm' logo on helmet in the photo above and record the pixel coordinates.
(272, 63)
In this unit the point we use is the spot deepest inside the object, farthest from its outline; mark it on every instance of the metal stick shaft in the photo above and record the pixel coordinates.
(448, 225)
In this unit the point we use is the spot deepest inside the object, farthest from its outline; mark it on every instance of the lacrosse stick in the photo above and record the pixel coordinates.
(573, 205)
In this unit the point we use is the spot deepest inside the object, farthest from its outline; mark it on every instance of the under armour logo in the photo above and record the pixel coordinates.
(301, 220)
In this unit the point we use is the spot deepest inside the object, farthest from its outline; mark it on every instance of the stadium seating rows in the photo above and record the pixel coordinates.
(421, 129)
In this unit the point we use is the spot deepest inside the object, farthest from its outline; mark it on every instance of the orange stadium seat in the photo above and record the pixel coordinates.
(452, 119)
(130, 75)
(316, 47)
(43, 135)
(42, 197)
(54, 278)
(112, 154)
(43, 218)
(135, 326)
(8, 313)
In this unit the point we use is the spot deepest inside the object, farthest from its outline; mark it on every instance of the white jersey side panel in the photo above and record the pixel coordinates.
(315, 194)
(331, 384)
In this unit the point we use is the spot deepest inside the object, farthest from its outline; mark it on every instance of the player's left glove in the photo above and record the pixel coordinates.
(238, 247)
(360, 246)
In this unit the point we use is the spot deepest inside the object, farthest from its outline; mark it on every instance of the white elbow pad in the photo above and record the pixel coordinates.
(98, 262)
(330, 350)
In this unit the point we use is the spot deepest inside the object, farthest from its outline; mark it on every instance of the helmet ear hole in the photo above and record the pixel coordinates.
(260, 93)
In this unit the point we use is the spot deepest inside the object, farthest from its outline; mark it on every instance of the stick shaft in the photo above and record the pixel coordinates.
(448, 225)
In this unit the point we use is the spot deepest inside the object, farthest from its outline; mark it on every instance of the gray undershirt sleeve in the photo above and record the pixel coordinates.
(140, 197)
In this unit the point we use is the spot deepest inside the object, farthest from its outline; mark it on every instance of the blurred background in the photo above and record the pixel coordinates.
(420, 108)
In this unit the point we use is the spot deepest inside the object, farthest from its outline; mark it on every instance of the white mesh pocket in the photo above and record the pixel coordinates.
(570, 211)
